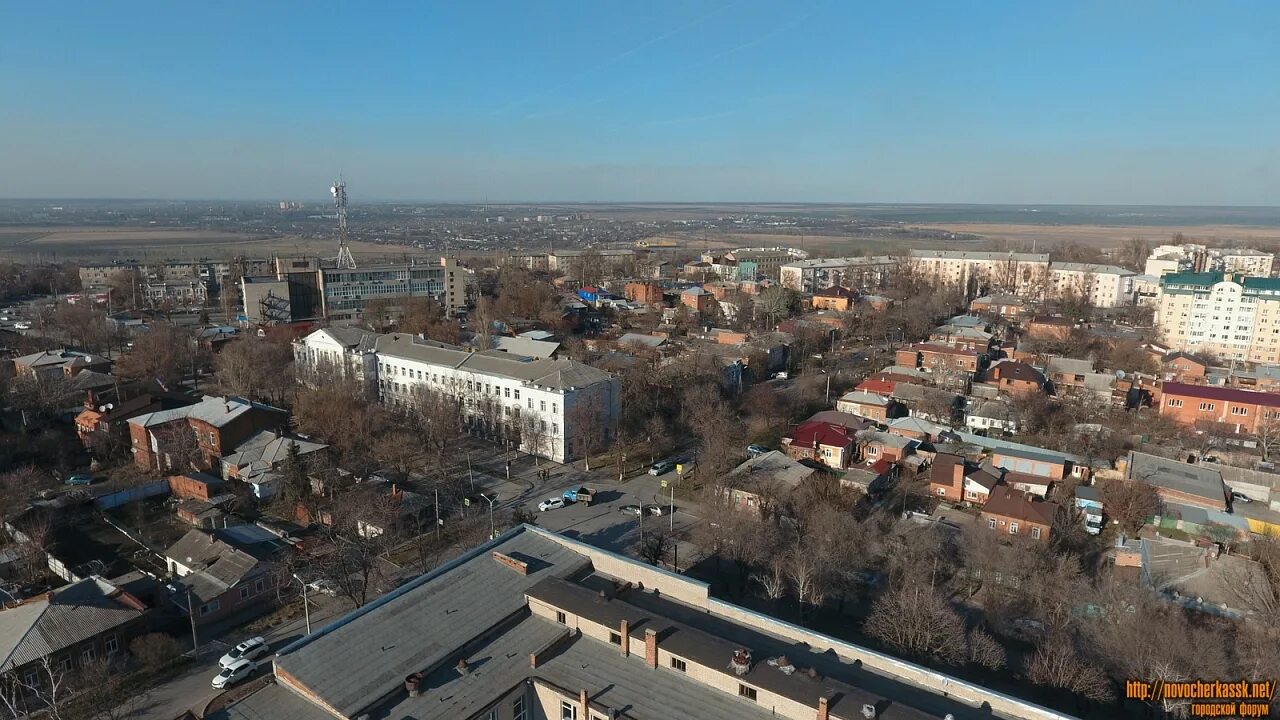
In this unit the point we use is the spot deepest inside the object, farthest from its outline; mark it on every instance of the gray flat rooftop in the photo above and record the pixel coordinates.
(366, 655)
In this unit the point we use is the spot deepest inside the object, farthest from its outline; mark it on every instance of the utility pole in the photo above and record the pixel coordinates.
(437, 493)
(195, 639)
(306, 605)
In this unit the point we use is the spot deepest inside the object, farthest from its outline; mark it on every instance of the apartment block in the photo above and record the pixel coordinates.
(1231, 316)
(1020, 273)
(1104, 286)
(537, 625)
(856, 272)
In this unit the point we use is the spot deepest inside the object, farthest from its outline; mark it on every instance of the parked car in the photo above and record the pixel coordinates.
(248, 650)
(80, 479)
(22, 325)
(756, 450)
(234, 673)
(1240, 497)
(554, 503)
(630, 510)
(655, 509)
(322, 586)
(662, 467)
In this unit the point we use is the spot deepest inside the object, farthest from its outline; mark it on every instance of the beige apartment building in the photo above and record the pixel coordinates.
(1020, 273)
(1233, 317)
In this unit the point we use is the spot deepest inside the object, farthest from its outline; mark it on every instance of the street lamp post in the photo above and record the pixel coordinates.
(492, 501)
(306, 605)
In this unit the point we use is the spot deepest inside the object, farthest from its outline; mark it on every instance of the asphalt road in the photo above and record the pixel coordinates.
(193, 689)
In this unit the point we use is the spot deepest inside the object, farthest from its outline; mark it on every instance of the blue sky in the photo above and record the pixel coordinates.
(803, 100)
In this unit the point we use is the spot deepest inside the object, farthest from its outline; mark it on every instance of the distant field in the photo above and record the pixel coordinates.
(1043, 236)
(1112, 235)
(96, 244)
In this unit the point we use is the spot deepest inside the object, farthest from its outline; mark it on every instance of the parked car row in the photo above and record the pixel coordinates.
(238, 663)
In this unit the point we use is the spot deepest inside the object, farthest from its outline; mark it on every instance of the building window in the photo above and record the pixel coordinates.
(615, 638)
(560, 617)
(991, 523)
(555, 408)
(568, 711)
(1035, 533)
(31, 679)
(112, 644)
(259, 585)
(1013, 528)
(555, 429)
(542, 405)
(244, 593)
(747, 692)
(678, 664)
(1237, 410)
(492, 714)
(1206, 406)
(517, 709)
(1175, 403)
(209, 607)
(88, 656)
(517, 394)
(507, 392)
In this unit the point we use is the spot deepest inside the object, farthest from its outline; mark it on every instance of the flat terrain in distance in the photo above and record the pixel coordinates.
(1112, 235)
(142, 243)
(1044, 237)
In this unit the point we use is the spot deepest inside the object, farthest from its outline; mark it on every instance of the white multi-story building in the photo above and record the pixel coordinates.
(1021, 273)
(1244, 262)
(554, 408)
(337, 354)
(821, 273)
(1236, 318)
(1104, 286)
(1158, 265)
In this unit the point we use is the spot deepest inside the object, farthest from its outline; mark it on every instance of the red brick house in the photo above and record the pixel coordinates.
(1012, 512)
(1044, 327)
(827, 443)
(696, 298)
(643, 292)
(1239, 410)
(1015, 378)
(937, 357)
(1181, 367)
(954, 480)
(200, 433)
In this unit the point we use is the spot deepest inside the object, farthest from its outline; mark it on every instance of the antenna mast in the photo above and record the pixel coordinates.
(339, 190)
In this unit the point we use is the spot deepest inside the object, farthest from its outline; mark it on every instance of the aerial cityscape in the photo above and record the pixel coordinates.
(566, 361)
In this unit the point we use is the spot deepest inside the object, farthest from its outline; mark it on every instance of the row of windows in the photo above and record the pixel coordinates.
(110, 643)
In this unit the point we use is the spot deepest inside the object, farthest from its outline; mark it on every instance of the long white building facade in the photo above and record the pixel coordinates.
(553, 408)
(1023, 274)
(1104, 286)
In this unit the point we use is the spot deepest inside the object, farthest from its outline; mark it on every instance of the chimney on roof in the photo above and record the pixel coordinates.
(463, 667)
(624, 632)
(651, 647)
(824, 712)
(584, 704)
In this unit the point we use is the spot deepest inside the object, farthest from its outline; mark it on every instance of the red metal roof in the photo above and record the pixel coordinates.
(878, 385)
(1243, 397)
(824, 433)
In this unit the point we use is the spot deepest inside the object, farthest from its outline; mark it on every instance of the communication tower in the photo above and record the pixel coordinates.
(339, 190)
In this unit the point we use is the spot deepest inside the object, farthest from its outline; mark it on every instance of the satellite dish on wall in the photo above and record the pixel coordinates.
(1119, 374)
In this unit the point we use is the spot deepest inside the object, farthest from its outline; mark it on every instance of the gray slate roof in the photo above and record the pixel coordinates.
(76, 612)
(264, 449)
(215, 565)
(216, 411)
(367, 654)
(558, 374)
(351, 338)
(1176, 476)
(538, 349)
(771, 466)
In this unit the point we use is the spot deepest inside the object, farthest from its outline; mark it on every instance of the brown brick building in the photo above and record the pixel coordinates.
(1239, 410)
(198, 434)
(1012, 512)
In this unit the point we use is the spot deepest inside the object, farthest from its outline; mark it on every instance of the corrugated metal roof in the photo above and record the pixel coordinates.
(75, 613)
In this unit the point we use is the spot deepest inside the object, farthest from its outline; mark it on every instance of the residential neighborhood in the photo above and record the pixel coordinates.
(933, 484)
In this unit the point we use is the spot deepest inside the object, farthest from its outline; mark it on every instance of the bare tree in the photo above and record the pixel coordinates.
(985, 651)
(1057, 664)
(165, 353)
(917, 621)
(259, 370)
(1267, 432)
(1129, 502)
